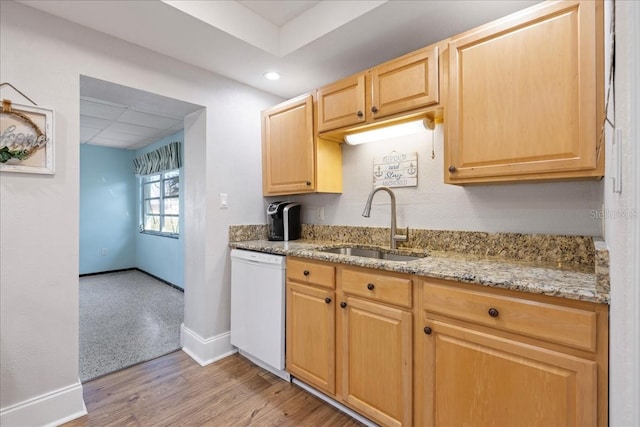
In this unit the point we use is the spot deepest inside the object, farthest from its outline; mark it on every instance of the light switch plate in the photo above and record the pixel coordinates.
(224, 200)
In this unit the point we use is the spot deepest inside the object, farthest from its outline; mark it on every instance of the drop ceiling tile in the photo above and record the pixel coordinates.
(86, 133)
(164, 134)
(99, 110)
(133, 129)
(178, 125)
(117, 136)
(93, 122)
(149, 120)
(142, 143)
(108, 142)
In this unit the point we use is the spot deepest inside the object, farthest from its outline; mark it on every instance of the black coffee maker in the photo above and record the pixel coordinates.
(283, 221)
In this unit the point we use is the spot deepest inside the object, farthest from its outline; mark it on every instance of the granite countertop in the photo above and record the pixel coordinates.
(565, 281)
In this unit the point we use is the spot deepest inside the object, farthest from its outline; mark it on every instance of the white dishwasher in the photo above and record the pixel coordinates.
(258, 308)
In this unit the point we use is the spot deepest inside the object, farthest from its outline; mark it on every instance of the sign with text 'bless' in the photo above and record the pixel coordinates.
(396, 170)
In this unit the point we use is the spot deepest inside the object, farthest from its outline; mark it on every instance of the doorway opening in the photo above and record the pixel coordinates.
(132, 272)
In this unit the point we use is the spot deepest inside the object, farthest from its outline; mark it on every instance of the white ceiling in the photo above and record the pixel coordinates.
(310, 43)
(279, 12)
(117, 116)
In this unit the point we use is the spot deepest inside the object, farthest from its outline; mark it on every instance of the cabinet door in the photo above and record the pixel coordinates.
(405, 84)
(525, 97)
(376, 352)
(287, 148)
(473, 378)
(341, 104)
(311, 335)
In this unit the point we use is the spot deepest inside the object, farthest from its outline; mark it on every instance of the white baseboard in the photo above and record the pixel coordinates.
(206, 351)
(50, 409)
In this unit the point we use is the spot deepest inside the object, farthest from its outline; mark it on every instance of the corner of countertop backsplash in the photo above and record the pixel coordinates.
(242, 233)
(603, 284)
(559, 250)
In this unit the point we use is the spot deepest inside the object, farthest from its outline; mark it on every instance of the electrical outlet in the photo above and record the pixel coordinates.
(224, 200)
(320, 214)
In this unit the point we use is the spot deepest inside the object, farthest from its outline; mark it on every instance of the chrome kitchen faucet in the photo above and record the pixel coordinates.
(367, 213)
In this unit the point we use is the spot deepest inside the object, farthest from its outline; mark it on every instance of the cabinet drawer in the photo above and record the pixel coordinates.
(564, 325)
(311, 272)
(392, 290)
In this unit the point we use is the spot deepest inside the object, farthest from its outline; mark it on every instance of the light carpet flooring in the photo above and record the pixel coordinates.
(126, 318)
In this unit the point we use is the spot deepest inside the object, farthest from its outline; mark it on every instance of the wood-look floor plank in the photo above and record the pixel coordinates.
(203, 394)
(144, 375)
(173, 390)
(234, 395)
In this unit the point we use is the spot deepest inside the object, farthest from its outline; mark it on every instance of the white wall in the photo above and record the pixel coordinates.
(44, 57)
(551, 208)
(622, 224)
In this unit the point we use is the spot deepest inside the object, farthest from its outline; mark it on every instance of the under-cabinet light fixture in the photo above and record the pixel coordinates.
(394, 131)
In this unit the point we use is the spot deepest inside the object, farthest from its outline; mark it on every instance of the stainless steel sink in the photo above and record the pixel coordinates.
(372, 253)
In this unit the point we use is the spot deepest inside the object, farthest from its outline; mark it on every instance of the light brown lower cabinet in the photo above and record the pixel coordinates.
(311, 335)
(403, 351)
(369, 364)
(376, 355)
(490, 357)
(477, 379)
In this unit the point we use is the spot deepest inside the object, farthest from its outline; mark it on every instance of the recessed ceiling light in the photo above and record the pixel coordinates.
(272, 75)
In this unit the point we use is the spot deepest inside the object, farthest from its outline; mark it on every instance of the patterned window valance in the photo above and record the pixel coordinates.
(163, 159)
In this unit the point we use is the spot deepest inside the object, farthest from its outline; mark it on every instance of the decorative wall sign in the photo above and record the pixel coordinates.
(26, 139)
(396, 170)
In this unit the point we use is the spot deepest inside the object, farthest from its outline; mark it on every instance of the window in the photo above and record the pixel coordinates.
(161, 203)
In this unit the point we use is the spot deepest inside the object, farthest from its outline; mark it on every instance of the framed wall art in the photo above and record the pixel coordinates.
(26, 139)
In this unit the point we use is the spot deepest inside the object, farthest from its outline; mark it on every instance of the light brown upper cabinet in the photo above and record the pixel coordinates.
(294, 161)
(341, 104)
(404, 85)
(525, 97)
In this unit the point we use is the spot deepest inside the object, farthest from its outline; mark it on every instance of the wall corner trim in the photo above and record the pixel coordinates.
(50, 409)
(206, 351)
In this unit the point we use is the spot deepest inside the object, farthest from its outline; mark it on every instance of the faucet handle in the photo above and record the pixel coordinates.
(402, 237)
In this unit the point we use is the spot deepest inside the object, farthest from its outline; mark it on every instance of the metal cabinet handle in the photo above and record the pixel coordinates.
(452, 169)
(327, 300)
(308, 182)
(370, 286)
(427, 330)
(360, 114)
(374, 110)
(493, 312)
(306, 272)
(343, 304)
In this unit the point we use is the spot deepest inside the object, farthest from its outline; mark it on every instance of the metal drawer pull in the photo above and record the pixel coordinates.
(493, 312)
(343, 304)
(306, 272)
(327, 300)
(427, 330)
(370, 286)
